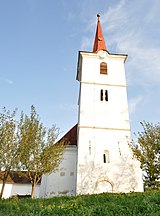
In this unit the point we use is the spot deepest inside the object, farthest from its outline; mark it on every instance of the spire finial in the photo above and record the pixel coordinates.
(99, 43)
(98, 15)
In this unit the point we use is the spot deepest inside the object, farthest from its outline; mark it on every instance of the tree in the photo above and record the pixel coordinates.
(8, 144)
(38, 152)
(147, 150)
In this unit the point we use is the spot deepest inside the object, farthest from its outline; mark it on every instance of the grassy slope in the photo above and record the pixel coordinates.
(137, 204)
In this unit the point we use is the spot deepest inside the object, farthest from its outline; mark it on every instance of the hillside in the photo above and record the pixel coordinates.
(137, 204)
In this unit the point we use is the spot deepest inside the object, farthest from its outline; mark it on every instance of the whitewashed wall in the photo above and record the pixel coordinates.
(104, 126)
(122, 173)
(63, 181)
(19, 189)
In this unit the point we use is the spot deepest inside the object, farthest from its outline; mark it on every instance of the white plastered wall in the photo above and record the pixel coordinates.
(63, 181)
(19, 189)
(121, 170)
(104, 125)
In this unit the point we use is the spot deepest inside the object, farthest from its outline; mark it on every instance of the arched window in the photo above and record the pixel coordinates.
(103, 68)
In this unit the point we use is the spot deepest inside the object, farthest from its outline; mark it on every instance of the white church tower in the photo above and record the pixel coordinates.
(104, 162)
(98, 158)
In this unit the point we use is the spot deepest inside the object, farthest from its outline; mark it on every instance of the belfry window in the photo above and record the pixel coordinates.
(103, 95)
(106, 95)
(103, 68)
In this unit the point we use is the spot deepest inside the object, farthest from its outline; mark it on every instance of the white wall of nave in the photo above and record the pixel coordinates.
(63, 181)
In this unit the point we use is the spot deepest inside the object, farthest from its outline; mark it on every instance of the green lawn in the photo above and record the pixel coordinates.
(134, 204)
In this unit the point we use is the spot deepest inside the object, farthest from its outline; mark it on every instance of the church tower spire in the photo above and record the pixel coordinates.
(99, 43)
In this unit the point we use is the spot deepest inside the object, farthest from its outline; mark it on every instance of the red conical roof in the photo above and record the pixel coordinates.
(99, 43)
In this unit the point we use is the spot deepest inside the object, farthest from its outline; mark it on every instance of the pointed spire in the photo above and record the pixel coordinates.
(99, 43)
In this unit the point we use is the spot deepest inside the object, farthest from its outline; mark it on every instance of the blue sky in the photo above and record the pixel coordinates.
(39, 44)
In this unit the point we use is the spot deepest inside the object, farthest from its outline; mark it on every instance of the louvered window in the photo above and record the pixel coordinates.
(103, 68)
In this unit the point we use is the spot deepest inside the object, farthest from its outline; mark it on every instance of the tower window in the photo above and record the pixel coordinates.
(106, 156)
(106, 95)
(103, 68)
(103, 95)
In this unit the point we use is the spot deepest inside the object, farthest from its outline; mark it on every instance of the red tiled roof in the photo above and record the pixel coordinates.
(99, 43)
(71, 136)
(16, 177)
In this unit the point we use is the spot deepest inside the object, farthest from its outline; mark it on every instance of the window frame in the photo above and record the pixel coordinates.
(103, 95)
(103, 68)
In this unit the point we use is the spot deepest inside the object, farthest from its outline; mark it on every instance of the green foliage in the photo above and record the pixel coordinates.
(135, 204)
(8, 144)
(38, 152)
(147, 150)
(27, 145)
(8, 139)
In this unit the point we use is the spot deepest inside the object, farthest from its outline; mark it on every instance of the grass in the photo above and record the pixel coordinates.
(135, 204)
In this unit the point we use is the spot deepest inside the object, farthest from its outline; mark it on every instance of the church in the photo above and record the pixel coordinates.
(98, 158)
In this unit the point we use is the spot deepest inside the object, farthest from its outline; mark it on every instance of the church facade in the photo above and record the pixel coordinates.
(98, 158)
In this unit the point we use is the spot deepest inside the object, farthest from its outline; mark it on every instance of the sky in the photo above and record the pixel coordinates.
(39, 44)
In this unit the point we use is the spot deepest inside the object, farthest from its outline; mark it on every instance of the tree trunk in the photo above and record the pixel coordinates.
(6, 173)
(33, 189)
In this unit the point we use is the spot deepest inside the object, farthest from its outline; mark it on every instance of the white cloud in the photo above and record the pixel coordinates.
(71, 16)
(7, 81)
(153, 14)
(133, 103)
(86, 43)
(115, 16)
(128, 29)
(130, 34)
